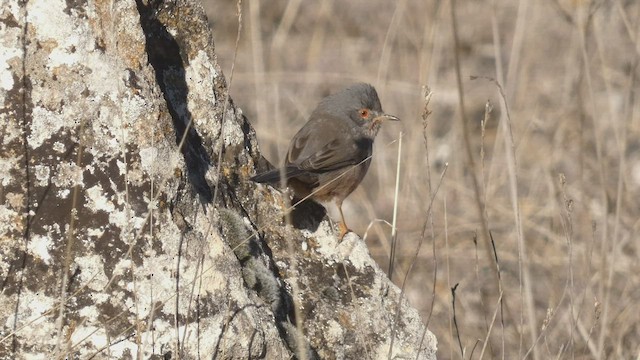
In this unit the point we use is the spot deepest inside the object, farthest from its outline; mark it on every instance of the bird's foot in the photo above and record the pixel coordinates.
(343, 230)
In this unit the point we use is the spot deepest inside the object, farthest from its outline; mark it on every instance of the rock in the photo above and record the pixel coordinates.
(119, 236)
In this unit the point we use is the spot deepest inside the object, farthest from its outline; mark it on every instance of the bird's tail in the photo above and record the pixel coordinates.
(274, 176)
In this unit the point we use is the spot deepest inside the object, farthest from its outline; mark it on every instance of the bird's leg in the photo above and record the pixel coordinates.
(342, 225)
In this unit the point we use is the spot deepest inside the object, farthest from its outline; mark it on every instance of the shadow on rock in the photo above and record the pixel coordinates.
(307, 215)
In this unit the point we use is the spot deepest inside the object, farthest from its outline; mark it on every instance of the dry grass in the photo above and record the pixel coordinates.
(558, 177)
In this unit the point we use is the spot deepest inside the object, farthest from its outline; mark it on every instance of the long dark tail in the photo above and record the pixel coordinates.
(273, 176)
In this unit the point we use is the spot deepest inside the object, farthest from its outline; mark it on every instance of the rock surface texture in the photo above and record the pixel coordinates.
(117, 242)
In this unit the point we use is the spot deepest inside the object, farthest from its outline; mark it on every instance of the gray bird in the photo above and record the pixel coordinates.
(330, 155)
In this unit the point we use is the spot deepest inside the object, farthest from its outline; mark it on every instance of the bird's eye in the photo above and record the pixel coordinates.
(364, 113)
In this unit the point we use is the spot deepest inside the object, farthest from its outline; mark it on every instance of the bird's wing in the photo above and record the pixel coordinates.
(326, 151)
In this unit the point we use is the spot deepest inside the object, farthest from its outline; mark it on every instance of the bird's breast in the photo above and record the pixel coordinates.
(363, 147)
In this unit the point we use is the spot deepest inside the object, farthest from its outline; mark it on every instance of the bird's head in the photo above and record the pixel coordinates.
(360, 104)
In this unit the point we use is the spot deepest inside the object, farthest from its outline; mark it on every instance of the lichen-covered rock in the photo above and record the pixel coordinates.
(121, 236)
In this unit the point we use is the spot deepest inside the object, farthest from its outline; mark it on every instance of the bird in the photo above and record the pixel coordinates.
(330, 155)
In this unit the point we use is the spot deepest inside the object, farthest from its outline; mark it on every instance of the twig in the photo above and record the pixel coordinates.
(500, 288)
(466, 135)
(426, 112)
(394, 228)
(524, 275)
(413, 261)
(357, 306)
(486, 339)
(70, 237)
(226, 104)
(455, 321)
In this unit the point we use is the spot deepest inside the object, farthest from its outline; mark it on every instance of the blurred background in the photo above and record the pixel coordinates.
(550, 119)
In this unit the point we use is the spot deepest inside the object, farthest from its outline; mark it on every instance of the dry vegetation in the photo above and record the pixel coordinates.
(568, 249)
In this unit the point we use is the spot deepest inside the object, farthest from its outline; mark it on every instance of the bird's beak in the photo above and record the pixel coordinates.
(383, 117)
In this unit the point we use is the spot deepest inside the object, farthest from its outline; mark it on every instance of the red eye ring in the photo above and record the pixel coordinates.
(364, 113)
